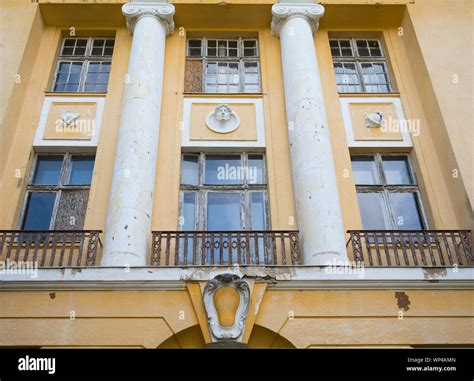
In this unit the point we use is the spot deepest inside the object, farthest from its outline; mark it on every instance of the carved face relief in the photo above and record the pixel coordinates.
(223, 113)
(223, 119)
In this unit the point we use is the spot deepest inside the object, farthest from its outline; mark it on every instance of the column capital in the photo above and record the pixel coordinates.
(284, 11)
(161, 10)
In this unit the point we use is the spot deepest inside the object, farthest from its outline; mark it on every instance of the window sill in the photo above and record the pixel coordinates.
(223, 95)
(369, 95)
(73, 94)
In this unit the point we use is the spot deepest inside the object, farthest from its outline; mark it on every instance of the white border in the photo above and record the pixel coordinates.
(41, 143)
(406, 140)
(259, 119)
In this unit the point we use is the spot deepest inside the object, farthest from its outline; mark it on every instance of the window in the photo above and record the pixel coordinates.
(223, 192)
(387, 192)
(222, 66)
(57, 192)
(84, 64)
(360, 66)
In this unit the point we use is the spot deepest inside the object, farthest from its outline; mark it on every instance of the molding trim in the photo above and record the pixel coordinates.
(164, 12)
(282, 12)
(276, 277)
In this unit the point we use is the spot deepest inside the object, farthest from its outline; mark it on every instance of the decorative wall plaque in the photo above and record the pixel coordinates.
(374, 120)
(220, 331)
(222, 120)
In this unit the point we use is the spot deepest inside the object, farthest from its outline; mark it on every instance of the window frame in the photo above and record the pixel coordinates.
(86, 59)
(64, 177)
(385, 189)
(359, 60)
(202, 190)
(240, 59)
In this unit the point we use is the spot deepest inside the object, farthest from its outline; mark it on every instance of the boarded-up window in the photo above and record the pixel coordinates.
(193, 77)
(71, 210)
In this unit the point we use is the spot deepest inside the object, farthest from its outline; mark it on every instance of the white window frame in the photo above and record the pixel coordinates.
(245, 189)
(85, 59)
(64, 178)
(240, 59)
(358, 60)
(385, 189)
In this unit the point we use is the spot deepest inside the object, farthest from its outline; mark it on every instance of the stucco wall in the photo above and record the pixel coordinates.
(444, 33)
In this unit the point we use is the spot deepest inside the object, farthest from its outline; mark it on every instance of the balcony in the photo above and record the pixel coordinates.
(226, 248)
(411, 248)
(50, 248)
(373, 248)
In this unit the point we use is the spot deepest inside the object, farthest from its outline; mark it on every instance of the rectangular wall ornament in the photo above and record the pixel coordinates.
(377, 122)
(69, 122)
(223, 122)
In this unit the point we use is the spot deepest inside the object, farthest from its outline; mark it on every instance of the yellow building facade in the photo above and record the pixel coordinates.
(239, 173)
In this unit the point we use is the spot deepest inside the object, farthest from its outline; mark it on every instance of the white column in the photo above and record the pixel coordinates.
(128, 226)
(314, 178)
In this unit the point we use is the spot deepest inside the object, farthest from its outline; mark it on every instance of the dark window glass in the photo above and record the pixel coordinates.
(39, 210)
(190, 170)
(223, 211)
(82, 168)
(372, 211)
(224, 169)
(255, 170)
(258, 211)
(406, 211)
(364, 170)
(189, 210)
(48, 170)
(396, 170)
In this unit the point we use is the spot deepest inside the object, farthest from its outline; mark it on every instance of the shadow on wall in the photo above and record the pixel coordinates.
(192, 338)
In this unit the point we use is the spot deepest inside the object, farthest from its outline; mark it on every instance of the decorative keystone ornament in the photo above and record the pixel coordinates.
(374, 120)
(223, 119)
(220, 328)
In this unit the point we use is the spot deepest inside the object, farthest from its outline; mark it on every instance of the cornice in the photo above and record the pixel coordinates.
(284, 11)
(164, 12)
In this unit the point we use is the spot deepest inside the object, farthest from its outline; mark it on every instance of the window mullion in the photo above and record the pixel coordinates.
(57, 199)
(360, 74)
(83, 74)
(379, 166)
(391, 215)
(65, 169)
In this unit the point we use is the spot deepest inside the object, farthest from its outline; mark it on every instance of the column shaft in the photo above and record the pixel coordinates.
(314, 177)
(128, 227)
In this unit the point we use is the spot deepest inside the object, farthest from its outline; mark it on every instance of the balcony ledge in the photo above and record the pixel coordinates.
(277, 277)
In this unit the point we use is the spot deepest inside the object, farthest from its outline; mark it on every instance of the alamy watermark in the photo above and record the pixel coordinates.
(75, 125)
(336, 267)
(230, 172)
(10, 267)
(394, 125)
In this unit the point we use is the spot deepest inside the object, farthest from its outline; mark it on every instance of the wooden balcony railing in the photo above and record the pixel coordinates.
(411, 248)
(181, 248)
(50, 248)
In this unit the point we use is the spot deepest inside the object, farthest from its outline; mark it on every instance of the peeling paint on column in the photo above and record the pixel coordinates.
(314, 177)
(128, 225)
